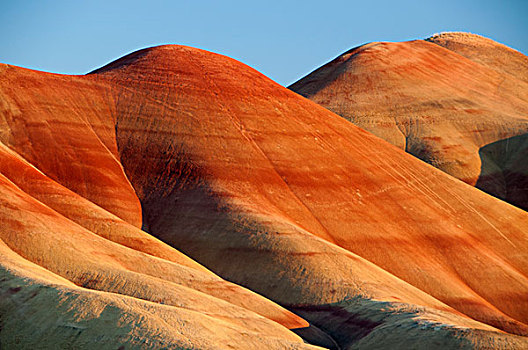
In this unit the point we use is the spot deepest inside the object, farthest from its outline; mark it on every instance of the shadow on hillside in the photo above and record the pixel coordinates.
(504, 170)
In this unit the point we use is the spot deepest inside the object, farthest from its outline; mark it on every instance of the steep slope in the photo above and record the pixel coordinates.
(441, 105)
(243, 170)
(261, 186)
(44, 223)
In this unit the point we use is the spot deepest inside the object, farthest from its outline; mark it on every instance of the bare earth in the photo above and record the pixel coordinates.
(132, 195)
(457, 101)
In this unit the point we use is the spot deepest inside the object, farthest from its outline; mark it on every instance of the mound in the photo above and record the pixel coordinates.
(485, 52)
(441, 105)
(58, 246)
(264, 188)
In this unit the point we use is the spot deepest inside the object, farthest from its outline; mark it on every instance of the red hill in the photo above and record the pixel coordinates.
(259, 185)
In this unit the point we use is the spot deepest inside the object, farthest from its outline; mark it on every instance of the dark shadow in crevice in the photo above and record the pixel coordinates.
(314, 336)
(504, 170)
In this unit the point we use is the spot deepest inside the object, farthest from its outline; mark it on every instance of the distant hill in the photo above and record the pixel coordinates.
(456, 105)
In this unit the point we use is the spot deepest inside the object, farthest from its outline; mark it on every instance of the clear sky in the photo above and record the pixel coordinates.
(283, 39)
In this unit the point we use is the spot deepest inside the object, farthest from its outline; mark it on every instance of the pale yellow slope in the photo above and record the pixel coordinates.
(42, 310)
(110, 227)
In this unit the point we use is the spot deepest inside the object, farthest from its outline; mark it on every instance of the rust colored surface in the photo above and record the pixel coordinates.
(259, 186)
(443, 100)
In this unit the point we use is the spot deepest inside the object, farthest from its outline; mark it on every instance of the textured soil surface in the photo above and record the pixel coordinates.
(132, 195)
(447, 100)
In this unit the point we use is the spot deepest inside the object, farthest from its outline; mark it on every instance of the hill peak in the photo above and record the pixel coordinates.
(459, 36)
(153, 56)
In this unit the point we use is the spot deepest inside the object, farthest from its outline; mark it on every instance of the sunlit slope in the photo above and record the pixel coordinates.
(485, 52)
(42, 310)
(442, 105)
(259, 185)
(265, 187)
(74, 274)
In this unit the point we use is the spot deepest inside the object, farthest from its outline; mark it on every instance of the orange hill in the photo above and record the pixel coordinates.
(263, 187)
(461, 105)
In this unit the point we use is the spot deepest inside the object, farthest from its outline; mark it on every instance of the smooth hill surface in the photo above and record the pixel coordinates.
(372, 247)
(443, 100)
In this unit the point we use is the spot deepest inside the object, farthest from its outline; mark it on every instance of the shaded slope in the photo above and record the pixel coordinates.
(432, 102)
(47, 224)
(507, 169)
(243, 170)
(40, 235)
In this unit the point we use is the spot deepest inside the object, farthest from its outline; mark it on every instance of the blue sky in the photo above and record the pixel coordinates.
(283, 39)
